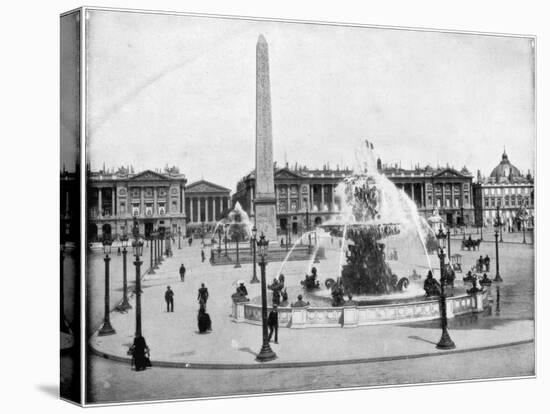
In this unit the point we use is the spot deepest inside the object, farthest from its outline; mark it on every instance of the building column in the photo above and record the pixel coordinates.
(113, 206)
(142, 201)
(452, 195)
(206, 209)
(422, 190)
(191, 209)
(155, 202)
(311, 201)
(288, 198)
(322, 196)
(100, 202)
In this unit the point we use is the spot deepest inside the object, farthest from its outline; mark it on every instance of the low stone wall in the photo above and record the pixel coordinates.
(275, 255)
(354, 316)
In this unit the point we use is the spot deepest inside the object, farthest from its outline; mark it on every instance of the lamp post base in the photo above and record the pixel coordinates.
(266, 354)
(497, 278)
(254, 280)
(124, 306)
(151, 271)
(106, 329)
(237, 265)
(445, 342)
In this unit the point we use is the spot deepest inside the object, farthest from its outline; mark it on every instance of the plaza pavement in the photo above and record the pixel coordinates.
(175, 342)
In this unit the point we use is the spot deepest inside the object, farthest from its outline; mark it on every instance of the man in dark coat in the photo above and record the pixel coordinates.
(182, 272)
(203, 321)
(487, 263)
(203, 295)
(202, 255)
(169, 298)
(273, 324)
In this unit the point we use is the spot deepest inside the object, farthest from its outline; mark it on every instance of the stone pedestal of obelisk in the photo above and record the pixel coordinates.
(264, 201)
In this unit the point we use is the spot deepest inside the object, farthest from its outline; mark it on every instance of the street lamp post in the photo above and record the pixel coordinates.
(445, 342)
(156, 240)
(266, 353)
(497, 278)
(179, 237)
(499, 223)
(254, 239)
(237, 264)
(125, 305)
(219, 241)
(523, 228)
(151, 259)
(137, 246)
(226, 227)
(106, 328)
(449, 243)
(161, 245)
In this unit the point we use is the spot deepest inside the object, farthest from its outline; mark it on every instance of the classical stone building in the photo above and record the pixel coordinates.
(156, 199)
(304, 197)
(506, 188)
(444, 188)
(205, 203)
(307, 197)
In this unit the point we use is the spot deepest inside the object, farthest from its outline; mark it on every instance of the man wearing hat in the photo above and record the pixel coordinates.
(273, 324)
(169, 298)
(300, 303)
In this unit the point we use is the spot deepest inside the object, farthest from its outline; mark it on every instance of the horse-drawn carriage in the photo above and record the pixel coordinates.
(470, 244)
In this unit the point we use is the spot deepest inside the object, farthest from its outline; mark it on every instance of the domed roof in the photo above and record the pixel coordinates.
(505, 169)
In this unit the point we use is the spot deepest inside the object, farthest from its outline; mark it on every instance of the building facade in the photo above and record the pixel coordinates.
(306, 197)
(445, 189)
(506, 188)
(114, 198)
(206, 203)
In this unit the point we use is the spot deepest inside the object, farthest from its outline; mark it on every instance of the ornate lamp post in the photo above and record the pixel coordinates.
(445, 342)
(226, 227)
(266, 353)
(497, 278)
(237, 264)
(151, 253)
(499, 223)
(137, 246)
(106, 328)
(155, 236)
(219, 240)
(449, 243)
(125, 305)
(254, 240)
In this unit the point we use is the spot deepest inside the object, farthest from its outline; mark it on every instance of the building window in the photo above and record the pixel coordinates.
(492, 202)
(466, 199)
(135, 192)
(486, 202)
(457, 202)
(486, 191)
(438, 202)
(174, 205)
(162, 192)
(122, 208)
(507, 201)
(149, 192)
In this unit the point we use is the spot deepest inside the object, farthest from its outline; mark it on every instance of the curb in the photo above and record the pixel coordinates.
(268, 365)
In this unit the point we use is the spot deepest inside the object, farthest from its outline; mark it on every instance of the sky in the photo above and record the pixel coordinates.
(180, 90)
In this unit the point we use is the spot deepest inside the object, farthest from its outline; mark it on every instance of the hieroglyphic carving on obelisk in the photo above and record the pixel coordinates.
(264, 201)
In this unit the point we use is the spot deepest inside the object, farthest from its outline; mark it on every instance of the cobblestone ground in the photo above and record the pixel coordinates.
(116, 382)
(111, 381)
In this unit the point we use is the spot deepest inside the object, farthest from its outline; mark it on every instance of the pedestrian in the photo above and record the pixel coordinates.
(182, 272)
(118, 251)
(487, 263)
(202, 255)
(190, 240)
(140, 354)
(273, 324)
(203, 321)
(169, 298)
(203, 295)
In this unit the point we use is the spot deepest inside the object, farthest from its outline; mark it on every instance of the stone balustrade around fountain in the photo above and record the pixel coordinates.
(354, 316)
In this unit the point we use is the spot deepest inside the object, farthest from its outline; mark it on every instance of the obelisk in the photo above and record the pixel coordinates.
(264, 201)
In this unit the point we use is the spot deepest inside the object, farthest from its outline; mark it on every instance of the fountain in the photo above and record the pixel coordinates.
(384, 256)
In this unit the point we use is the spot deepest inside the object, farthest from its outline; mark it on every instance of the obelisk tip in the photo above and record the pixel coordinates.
(261, 39)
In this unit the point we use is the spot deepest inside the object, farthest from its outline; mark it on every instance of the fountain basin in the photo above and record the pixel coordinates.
(358, 315)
